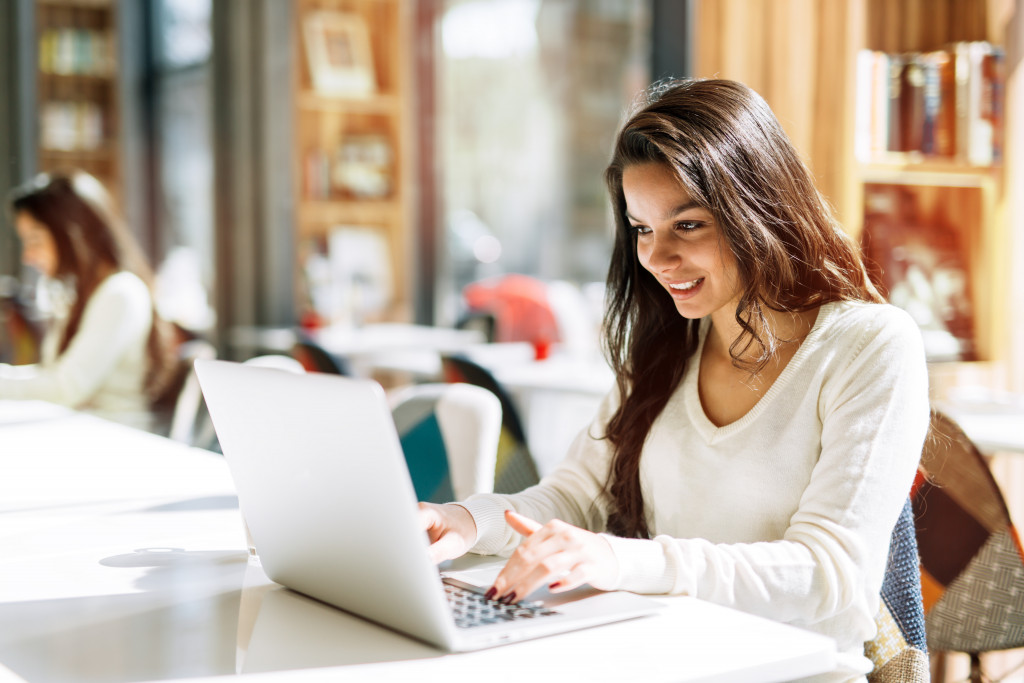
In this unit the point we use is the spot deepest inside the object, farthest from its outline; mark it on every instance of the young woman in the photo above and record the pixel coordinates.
(106, 352)
(769, 411)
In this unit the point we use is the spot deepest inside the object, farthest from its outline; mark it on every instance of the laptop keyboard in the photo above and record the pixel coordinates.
(470, 608)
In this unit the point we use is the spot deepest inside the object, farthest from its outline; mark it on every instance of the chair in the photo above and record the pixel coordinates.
(899, 650)
(277, 361)
(972, 563)
(189, 398)
(515, 468)
(449, 434)
(315, 358)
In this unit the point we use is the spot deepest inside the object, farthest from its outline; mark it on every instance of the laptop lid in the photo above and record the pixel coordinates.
(324, 490)
(326, 494)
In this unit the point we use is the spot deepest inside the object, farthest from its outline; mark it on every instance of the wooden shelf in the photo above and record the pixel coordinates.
(105, 153)
(96, 87)
(376, 104)
(75, 79)
(916, 169)
(316, 215)
(341, 141)
(85, 4)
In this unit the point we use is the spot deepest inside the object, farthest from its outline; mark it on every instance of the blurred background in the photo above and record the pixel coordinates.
(301, 171)
(324, 162)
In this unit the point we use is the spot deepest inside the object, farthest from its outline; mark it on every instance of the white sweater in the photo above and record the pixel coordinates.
(786, 512)
(103, 369)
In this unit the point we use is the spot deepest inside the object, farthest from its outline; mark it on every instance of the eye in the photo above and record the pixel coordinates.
(640, 229)
(689, 226)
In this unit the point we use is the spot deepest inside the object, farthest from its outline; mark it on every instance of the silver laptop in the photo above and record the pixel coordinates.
(324, 489)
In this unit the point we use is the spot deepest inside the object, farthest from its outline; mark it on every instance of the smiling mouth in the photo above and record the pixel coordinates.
(683, 286)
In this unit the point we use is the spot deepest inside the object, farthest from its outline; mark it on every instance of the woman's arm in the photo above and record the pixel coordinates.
(117, 316)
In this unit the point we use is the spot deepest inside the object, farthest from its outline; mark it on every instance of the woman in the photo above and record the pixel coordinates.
(769, 411)
(106, 351)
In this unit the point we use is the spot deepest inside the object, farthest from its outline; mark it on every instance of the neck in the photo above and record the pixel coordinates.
(785, 327)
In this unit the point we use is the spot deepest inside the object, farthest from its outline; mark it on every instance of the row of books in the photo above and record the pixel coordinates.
(71, 125)
(947, 103)
(74, 51)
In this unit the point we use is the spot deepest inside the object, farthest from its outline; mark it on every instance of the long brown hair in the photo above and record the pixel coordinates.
(733, 159)
(91, 242)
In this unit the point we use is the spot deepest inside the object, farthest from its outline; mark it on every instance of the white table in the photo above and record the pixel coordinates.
(993, 426)
(124, 560)
(415, 349)
(557, 397)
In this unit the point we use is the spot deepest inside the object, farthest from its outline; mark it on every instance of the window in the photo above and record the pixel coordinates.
(530, 94)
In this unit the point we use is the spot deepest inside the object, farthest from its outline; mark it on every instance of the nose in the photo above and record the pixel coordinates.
(662, 254)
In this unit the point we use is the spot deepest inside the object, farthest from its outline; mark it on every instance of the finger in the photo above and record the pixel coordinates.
(574, 578)
(521, 524)
(427, 515)
(447, 547)
(539, 558)
(551, 569)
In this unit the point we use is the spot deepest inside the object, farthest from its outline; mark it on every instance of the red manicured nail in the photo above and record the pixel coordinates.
(510, 598)
(556, 584)
(489, 595)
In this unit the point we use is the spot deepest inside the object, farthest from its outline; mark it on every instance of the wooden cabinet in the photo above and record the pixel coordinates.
(352, 116)
(803, 58)
(78, 88)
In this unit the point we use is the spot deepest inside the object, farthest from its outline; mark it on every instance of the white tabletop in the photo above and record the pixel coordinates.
(124, 560)
(376, 346)
(993, 426)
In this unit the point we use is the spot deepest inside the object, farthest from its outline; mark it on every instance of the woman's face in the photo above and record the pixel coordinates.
(38, 248)
(679, 243)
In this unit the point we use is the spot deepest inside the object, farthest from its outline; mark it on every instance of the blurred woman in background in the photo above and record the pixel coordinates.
(106, 351)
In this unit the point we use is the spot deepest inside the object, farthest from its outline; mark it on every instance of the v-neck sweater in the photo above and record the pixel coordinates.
(786, 512)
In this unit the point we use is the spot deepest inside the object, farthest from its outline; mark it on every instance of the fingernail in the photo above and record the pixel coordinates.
(556, 584)
(510, 598)
(489, 595)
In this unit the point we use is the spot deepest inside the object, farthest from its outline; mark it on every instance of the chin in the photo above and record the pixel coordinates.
(691, 312)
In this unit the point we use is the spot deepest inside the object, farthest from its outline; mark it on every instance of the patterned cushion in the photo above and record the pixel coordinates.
(899, 651)
(972, 564)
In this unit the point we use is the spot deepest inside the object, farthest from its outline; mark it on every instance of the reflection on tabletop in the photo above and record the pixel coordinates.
(279, 629)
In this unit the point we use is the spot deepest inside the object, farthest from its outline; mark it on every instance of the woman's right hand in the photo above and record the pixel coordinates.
(450, 528)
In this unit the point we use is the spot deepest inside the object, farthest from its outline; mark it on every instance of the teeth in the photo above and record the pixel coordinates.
(687, 285)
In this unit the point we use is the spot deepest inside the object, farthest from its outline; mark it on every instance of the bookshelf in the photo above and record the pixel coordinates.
(78, 88)
(352, 108)
(805, 60)
(945, 94)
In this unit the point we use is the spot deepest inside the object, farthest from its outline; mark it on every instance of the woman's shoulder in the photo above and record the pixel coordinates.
(125, 288)
(859, 324)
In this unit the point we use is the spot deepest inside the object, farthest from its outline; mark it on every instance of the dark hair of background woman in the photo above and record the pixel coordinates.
(732, 157)
(92, 242)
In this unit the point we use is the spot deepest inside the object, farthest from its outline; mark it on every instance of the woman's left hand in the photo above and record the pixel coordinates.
(558, 554)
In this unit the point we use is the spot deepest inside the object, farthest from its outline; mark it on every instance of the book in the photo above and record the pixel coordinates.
(911, 104)
(946, 103)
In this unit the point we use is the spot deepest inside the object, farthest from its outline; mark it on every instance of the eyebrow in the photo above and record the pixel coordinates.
(676, 211)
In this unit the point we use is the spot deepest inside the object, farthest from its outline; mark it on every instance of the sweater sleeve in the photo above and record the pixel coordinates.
(571, 493)
(117, 315)
(831, 558)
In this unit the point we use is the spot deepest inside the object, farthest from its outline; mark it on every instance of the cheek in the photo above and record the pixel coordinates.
(730, 269)
(643, 255)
